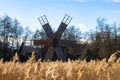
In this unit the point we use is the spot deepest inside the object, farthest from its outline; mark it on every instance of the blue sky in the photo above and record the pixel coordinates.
(84, 12)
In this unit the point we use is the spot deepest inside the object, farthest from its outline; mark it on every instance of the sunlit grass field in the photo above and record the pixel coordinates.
(58, 70)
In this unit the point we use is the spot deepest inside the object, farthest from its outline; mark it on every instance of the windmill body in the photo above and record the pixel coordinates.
(54, 42)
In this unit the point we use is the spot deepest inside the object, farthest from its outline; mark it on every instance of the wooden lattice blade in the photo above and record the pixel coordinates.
(49, 54)
(60, 54)
(46, 26)
(48, 31)
(60, 30)
(66, 20)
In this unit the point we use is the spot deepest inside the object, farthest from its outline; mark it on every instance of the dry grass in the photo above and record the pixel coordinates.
(71, 70)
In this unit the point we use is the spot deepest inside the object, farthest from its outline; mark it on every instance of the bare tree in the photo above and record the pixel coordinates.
(16, 32)
(39, 34)
(72, 33)
(6, 24)
(27, 34)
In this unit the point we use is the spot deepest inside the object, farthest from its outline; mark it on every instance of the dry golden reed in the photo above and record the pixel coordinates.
(58, 70)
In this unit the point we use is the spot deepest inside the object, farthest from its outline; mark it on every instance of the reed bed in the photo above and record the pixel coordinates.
(58, 70)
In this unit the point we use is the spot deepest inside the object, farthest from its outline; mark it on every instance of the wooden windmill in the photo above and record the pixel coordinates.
(54, 42)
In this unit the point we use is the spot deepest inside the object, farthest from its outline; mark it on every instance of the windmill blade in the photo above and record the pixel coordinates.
(60, 54)
(48, 31)
(46, 26)
(44, 51)
(60, 30)
(49, 54)
(66, 20)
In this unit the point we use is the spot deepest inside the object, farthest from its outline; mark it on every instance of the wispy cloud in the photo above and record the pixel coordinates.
(82, 27)
(85, 0)
(116, 1)
(116, 11)
(61, 5)
(80, 0)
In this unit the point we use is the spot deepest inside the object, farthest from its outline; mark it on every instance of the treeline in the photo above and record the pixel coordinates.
(11, 32)
(104, 41)
(96, 44)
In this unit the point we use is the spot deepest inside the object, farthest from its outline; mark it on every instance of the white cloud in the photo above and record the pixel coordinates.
(111, 1)
(83, 27)
(116, 11)
(80, 0)
(85, 0)
(116, 0)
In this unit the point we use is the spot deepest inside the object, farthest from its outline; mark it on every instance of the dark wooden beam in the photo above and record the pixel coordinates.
(64, 43)
(43, 42)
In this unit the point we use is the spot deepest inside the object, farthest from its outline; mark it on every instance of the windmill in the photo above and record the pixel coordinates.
(54, 42)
